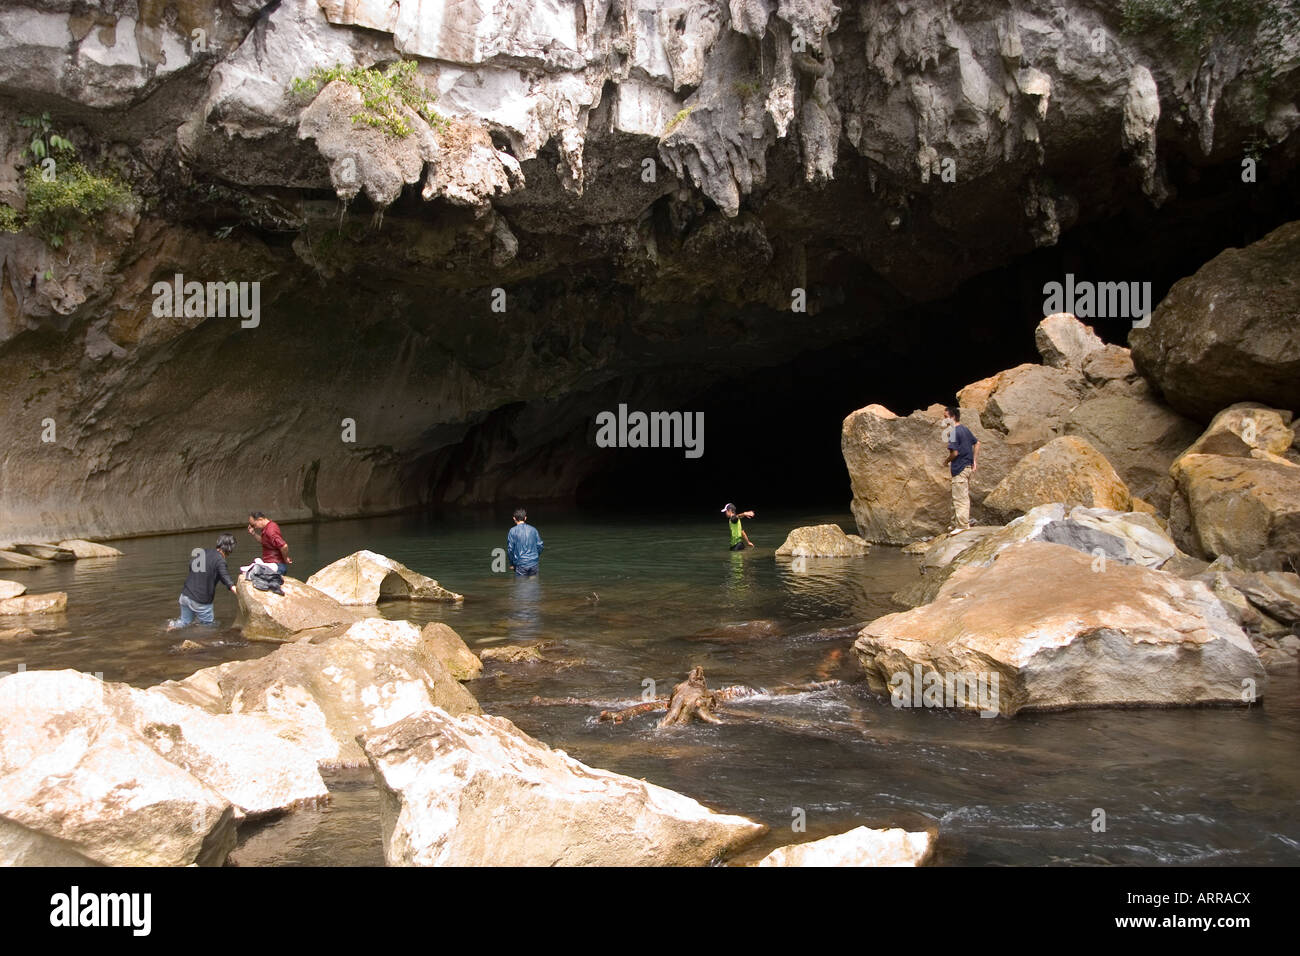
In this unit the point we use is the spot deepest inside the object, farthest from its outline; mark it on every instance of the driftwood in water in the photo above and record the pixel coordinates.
(691, 700)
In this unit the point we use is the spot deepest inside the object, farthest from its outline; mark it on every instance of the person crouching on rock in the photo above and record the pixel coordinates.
(739, 540)
(523, 545)
(275, 550)
(963, 460)
(207, 567)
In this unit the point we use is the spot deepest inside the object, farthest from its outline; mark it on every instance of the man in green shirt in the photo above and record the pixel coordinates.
(739, 540)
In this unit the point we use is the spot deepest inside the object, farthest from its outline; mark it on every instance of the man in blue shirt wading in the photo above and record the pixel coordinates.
(963, 460)
(523, 545)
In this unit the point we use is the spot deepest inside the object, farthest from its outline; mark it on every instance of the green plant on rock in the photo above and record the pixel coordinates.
(45, 142)
(62, 205)
(1194, 24)
(382, 94)
(677, 120)
(10, 220)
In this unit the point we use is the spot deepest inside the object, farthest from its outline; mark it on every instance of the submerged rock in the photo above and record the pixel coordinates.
(16, 561)
(267, 616)
(51, 602)
(89, 549)
(1228, 333)
(321, 696)
(476, 791)
(860, 847)
(1043, 629)
(822, 541)
(367, 578)
(1066, 469)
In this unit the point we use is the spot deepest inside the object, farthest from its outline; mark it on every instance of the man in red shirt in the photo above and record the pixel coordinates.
(275, 550)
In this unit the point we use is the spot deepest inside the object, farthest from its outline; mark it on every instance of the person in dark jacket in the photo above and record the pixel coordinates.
(523, 545)
(206, 568)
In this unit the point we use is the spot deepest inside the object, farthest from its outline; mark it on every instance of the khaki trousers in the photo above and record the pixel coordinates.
(961, 499)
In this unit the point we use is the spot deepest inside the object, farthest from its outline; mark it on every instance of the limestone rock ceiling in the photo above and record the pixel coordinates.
(648, 182)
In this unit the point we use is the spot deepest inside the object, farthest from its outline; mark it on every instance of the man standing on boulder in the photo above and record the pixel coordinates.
(963, 460)
(206, 568)
(523, 545)
(275, 550)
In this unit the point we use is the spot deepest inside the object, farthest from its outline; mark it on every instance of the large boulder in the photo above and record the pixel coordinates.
(9, 589)
(901, 486)
(860, 847)
(822, 541)
(366, 578)
(1241, 507)
(44, 551)
(1243, 429)
(267, 616)
(1140, 437)
(320, 696)
(1129, 538)
(476, 791)
(1230, 332)
(1032, 398)
(52, 602)
(1068, 470)
(447, 646)
(88, 549)
(1045, 629)
(79, 782)
(1065, 342)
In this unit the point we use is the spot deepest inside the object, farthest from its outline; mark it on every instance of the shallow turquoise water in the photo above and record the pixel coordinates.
(631, 599)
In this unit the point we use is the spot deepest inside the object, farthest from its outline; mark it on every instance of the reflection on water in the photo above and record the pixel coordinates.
(628, 602)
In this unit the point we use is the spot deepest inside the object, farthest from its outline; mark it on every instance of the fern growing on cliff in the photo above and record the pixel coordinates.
(382, 94)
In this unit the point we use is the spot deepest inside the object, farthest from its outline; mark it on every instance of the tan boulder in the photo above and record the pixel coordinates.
(1236, 506)
(89, 549)
(1243, 429)
(16, 633)
(1139, 435)
(1068, 470)
(51, 602)
(267, 616)
(1128, 538)
(16, 561)
(976, 395)
(860, 847)
(477, 791)
(1111, 363)
(902, 488)
(1065, 342)
(1043, 628)
(78, 782)
(10, 589)
(822, 541)
(1032, 397)
(320, 696)
(447, 646)
(366, 578)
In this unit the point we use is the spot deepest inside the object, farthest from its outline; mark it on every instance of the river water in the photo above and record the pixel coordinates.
(630, 600)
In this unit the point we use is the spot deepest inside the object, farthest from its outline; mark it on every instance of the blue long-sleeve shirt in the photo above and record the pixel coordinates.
(524, 546)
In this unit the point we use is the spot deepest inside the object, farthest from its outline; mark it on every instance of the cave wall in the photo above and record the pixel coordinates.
(645, 183)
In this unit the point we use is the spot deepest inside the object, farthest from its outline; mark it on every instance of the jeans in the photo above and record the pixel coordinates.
(526, 572)
(190, 609)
